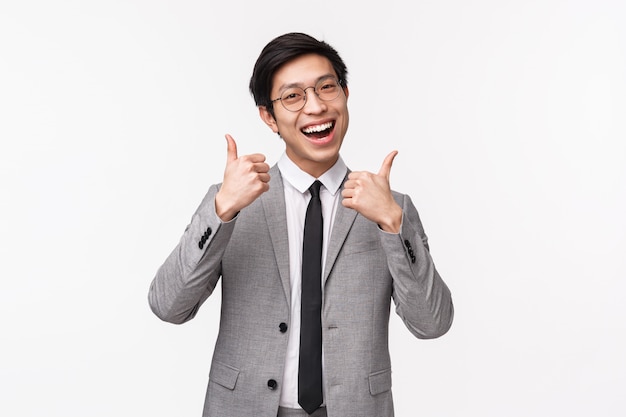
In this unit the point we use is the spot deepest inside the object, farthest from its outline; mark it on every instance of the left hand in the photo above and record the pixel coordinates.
(370, 195)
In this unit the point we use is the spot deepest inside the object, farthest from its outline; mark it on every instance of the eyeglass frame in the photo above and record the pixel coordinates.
(304, 97)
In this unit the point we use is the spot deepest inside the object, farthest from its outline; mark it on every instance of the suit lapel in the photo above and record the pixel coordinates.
(275, 216)
(344, 218)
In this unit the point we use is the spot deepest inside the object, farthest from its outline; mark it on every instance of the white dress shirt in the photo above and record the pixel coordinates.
(296, 186)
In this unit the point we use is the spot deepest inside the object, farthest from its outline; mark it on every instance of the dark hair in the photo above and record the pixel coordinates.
(283, 49)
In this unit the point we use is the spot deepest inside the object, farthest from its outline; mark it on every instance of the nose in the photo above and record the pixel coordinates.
(312, 103)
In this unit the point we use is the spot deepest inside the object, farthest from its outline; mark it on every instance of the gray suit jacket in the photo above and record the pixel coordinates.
(365, 269)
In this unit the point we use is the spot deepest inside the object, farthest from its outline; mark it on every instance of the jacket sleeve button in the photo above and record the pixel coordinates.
(282, 327)
(272, 384)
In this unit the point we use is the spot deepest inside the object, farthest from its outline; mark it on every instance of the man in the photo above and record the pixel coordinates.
(304, 322)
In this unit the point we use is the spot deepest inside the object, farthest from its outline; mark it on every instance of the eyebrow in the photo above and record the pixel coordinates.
(299, 85)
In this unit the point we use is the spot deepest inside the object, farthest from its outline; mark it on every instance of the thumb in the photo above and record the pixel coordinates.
(231, 148)
(385, 169)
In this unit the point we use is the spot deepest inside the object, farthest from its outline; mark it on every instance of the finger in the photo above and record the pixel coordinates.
(345, 193)
(359, 175)
(254, 158)
(261, 167)
(350, 184)
(231, 148)
(347, 202)
(385, 169)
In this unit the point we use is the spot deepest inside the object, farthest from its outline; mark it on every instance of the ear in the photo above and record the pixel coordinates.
(267, 117)
(346, 91)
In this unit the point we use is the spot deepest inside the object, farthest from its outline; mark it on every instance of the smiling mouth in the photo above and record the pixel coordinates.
(318, 131)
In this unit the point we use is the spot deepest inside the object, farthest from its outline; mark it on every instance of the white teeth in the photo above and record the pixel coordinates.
(318, 128)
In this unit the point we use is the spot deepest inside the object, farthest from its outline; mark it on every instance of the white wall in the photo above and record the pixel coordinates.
(509, 119)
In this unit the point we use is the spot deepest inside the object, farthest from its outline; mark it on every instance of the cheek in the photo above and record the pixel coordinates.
(284, 124)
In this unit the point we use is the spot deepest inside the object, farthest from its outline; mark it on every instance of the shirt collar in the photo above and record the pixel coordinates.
(301, 181)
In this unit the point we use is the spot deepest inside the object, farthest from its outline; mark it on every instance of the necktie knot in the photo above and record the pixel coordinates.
(314, 189)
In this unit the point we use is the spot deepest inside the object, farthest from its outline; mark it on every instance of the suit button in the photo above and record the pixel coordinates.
(272, 384)
(282, 327)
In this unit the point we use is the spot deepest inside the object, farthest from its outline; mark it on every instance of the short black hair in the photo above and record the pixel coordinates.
(283, 49)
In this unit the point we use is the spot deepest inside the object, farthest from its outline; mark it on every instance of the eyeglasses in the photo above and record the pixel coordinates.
(294, 98)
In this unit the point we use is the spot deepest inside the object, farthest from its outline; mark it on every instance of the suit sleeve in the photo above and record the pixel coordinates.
(422, 298)
(190, 273)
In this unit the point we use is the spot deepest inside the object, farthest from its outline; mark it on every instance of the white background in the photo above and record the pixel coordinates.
(509, 117)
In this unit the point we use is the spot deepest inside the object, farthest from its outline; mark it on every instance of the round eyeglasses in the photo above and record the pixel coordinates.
(294, 98)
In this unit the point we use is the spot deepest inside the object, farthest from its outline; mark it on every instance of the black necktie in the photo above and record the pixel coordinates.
(310, 367)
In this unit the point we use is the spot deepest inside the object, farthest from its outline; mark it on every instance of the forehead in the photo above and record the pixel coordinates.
(304, 70)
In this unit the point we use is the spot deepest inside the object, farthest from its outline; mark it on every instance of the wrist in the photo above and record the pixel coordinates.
(393, 221)
(224, 211)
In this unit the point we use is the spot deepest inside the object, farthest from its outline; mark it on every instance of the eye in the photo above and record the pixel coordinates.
(328, 85)
(292, 96)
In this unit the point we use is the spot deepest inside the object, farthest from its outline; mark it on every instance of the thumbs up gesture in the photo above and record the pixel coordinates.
(370, 195)
(246, 177)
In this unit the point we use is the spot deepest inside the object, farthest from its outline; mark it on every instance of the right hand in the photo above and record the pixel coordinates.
(245, 179)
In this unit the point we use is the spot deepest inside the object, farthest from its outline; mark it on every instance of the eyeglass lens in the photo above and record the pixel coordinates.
(326, 89)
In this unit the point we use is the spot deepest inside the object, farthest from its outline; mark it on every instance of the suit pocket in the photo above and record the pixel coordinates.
(224, 375)
(361, 246)
(380, 381)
